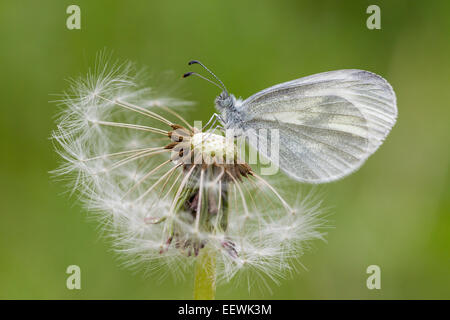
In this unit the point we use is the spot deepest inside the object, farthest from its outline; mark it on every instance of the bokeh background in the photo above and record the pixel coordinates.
(394, 212)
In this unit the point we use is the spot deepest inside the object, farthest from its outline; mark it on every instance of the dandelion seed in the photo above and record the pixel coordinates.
(169, 200)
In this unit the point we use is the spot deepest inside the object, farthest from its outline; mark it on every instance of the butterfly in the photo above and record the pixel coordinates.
(328, 123)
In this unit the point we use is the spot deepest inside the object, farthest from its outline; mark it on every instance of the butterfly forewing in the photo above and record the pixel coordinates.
(328, 123)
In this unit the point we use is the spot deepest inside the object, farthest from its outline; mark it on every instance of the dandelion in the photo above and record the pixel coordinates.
(173, 195)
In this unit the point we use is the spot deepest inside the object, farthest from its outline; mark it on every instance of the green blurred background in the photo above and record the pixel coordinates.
(394, 212)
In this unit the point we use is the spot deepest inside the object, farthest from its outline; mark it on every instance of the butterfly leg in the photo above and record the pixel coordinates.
(213, 117)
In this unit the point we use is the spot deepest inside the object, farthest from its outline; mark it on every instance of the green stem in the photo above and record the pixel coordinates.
(205, 275)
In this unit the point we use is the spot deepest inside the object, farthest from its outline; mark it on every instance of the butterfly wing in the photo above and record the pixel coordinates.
(329, 123)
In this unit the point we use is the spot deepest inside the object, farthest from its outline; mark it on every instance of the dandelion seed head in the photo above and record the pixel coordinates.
(165, 190)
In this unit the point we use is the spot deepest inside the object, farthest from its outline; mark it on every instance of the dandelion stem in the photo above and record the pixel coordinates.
(205, 275)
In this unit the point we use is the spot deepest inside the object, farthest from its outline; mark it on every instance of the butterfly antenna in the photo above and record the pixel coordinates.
(187, 74)
(210, 72)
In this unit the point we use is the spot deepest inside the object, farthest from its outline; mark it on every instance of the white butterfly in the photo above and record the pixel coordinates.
(329, 123)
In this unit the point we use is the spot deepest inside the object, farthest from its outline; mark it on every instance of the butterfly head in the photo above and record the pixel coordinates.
(225, 101)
